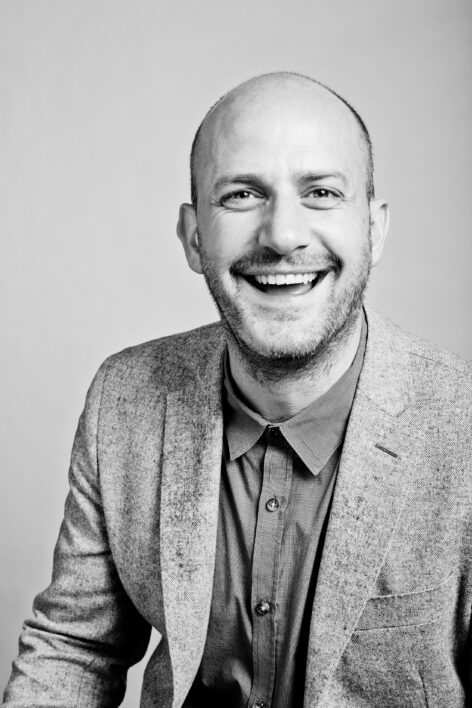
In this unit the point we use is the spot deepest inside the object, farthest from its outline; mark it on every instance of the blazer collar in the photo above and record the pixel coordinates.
(189, 514)
(385, 378)
(373, 482)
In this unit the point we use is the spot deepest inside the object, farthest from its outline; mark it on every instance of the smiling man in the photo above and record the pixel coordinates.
(285, 228)
(285, 496)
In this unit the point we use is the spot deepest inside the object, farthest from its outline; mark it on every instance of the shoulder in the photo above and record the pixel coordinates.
(166, 362)
(435, 372)
(175, 348)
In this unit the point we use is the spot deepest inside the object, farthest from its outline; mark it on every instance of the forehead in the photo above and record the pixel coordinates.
(274, 131)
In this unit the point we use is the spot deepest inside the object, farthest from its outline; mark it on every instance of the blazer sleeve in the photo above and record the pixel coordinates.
(85, 631)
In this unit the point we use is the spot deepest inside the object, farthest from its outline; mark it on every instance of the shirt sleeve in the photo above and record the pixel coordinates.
(85, 631)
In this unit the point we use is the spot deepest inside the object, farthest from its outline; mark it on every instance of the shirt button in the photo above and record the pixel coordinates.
(272, 504)
(262, 608)
(260, 704)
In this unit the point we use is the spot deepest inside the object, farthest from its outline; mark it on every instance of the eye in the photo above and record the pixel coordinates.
(322, 198)
(241, 199)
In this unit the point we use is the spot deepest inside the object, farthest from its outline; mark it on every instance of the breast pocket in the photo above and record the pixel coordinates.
(407, 609)
(401, 653)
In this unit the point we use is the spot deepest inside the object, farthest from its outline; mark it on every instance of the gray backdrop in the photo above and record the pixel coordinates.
(99, 100)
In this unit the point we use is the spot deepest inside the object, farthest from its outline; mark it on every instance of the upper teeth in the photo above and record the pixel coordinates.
(285, 278)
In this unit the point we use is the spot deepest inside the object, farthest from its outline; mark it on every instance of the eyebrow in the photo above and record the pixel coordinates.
(318, 176)
(257, 181)
(250, 179)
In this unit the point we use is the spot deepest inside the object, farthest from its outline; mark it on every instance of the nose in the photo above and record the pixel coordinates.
(284, 228)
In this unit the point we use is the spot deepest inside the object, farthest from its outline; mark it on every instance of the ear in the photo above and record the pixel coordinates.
(379, 222)
(188, 234)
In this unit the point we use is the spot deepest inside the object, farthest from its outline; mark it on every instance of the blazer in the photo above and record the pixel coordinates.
(391, 615)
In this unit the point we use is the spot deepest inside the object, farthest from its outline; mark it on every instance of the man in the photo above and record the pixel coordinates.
(285, 497)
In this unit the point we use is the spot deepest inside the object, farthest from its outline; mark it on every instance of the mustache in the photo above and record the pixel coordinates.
(266, 257)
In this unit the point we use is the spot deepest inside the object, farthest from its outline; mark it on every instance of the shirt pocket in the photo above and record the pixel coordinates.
(403, 610)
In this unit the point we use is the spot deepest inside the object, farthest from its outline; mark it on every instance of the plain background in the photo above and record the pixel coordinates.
(99, 100)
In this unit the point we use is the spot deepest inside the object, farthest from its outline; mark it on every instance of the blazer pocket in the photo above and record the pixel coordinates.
(407, 609)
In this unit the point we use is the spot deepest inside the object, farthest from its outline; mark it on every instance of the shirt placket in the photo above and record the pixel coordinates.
(277, 480)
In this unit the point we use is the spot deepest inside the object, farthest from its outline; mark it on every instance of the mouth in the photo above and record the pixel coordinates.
(285, 283)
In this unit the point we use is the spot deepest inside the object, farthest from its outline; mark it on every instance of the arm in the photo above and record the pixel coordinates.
(85, 632)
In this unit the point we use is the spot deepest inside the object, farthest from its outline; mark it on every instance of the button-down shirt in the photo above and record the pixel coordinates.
(276, 488)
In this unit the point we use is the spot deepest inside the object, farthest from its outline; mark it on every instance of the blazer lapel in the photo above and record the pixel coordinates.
(189, 514)
(373, 481)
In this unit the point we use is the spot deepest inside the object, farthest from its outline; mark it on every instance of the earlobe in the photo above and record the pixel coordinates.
(188, 235)
(379, 222)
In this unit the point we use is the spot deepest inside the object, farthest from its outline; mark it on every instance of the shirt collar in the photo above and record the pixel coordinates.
(314, 434)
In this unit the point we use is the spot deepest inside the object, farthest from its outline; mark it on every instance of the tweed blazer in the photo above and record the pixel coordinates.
(391, 616)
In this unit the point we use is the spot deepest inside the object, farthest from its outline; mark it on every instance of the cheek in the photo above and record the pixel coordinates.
(219, 253)
(225, 240)
(216, 254)
(351, 242)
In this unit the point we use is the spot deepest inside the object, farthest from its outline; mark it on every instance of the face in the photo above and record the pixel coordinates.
(284, 233)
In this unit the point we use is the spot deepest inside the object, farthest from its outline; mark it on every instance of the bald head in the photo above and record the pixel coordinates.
(283, 90)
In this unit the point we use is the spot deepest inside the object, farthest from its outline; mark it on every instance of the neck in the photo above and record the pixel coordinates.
(278, 399)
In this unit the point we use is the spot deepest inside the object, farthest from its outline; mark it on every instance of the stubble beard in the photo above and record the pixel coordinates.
(319, 350)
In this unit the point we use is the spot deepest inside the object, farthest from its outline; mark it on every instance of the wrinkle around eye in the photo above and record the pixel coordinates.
(329, 200)
(241, 199)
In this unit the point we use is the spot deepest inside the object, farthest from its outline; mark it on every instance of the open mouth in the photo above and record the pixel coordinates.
(285, 283)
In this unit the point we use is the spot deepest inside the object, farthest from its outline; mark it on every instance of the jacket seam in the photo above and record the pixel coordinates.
(461, 369)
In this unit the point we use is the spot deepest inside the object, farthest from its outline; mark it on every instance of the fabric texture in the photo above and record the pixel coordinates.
(391, 614)
(277, 483)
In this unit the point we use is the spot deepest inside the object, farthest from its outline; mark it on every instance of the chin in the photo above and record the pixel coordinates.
(274, 356)
(283, 345)
(278, 349)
